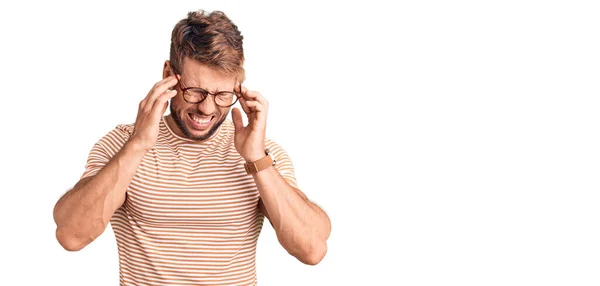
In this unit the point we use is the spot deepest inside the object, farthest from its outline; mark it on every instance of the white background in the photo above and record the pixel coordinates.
(451, 142)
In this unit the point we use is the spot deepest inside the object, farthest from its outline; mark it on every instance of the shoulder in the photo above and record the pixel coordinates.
(125, 129)
(276, 150)
(270, 143)
(284, 163)
(116, 137)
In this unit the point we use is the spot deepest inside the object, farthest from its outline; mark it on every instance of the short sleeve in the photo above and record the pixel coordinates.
(106, 148)
(283, 162)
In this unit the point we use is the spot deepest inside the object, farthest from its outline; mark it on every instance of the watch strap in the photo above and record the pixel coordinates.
(261, 164)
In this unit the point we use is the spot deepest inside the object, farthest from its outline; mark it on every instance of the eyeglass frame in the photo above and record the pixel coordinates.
(206, 92)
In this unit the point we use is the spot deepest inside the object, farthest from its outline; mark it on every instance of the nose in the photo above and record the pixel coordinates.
(207, 106)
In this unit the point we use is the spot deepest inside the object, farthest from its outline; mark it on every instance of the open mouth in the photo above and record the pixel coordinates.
(200, 122)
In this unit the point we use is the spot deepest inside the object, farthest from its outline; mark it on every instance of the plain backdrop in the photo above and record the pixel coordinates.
(450, 142)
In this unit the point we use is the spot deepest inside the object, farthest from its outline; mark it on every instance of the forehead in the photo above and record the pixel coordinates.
(195, 74)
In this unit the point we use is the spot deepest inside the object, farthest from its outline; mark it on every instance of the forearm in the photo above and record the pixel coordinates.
(301, 226)
(83, 213)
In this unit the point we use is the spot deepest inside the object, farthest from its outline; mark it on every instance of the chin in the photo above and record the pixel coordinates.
(196, 126)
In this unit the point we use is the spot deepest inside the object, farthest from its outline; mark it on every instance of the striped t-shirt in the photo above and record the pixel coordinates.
(191, 213)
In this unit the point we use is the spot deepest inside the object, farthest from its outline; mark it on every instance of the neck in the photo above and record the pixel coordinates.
(173, 126)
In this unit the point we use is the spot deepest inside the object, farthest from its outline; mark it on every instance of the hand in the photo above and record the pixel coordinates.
(151, 109)
(250, 140)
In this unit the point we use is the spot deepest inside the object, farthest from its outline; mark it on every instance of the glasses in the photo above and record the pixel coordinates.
(195, 95)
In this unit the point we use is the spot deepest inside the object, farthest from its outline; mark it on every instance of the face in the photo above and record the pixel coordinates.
(201, 120)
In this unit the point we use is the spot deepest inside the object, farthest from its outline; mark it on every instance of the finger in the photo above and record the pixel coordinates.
(244, 105)
(162, 86)
(252, 95)
(165, 83)
(255, 95)
(258, 115)
(236, 115)
(162, 101)
(158, 89)
(165, 97)
(165, 105)
(142, 104)
(255, 106)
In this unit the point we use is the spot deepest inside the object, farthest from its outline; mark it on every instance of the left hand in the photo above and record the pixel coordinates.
(250, 140)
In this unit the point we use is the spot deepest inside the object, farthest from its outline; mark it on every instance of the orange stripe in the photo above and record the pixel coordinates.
(191, 215)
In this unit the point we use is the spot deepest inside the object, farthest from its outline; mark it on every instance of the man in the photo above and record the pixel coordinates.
(186, 193)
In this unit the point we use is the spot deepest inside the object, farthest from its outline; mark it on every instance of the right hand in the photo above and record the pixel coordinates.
(150, 111)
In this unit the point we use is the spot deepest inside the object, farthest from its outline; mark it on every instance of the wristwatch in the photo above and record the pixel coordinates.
(257, 166)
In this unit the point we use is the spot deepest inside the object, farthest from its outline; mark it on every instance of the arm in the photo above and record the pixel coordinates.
(83, 213)
(302, 227)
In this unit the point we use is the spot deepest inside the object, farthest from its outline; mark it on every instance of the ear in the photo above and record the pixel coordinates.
(167, 71)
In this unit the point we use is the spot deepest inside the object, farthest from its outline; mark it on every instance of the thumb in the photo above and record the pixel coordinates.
(236, 115)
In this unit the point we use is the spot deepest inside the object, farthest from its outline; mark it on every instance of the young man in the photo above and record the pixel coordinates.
(186, 193)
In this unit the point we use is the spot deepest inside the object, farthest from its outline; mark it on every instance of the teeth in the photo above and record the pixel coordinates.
(200, 121)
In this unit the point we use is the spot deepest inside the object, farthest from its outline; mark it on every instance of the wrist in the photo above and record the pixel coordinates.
(137, 147)
(255, 156)
(263, 162)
